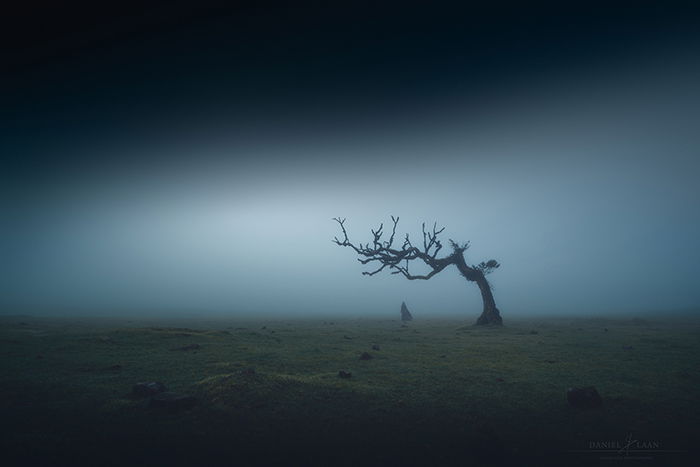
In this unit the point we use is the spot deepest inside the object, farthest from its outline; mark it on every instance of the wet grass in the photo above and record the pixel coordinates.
(436, 391)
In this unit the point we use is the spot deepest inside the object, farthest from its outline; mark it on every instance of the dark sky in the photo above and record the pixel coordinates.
(150, 71)
(189, 155)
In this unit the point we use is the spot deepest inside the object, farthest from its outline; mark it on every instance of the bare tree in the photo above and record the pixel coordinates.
(384, 254)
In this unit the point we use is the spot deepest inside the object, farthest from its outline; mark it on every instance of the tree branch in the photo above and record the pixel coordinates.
(386, 255)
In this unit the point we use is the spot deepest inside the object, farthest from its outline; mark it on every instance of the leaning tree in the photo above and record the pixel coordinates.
(385, 255)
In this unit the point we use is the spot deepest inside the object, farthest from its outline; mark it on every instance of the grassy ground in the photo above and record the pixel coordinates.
(436, 392)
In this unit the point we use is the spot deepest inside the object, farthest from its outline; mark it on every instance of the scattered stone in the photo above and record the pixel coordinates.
(405, 314)
(172, 401)
(443, 356)
(365, 356)
(627, 347)
(584, 398)
(39, 356)
(606, 329)
(264, 327)
(188, 347)
(500, 380)
(550, 361)
(116, 367)
(248, 371)
(533, 332)
(148, 389)
(347, 337)
(376, 347)
(344, 374)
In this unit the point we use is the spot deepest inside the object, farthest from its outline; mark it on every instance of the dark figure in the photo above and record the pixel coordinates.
(405, 314)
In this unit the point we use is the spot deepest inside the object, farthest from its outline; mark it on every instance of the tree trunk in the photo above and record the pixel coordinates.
(490, 315)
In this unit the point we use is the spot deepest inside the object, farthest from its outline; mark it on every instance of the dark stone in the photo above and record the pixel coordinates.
(550, 361)
(606, 329)
(344, 374)
(533, 332)
(188, 347)
(114, 368)
(376, 347)
(172, 401)
(500, 380)
(584, 398)
(627, 347)
(405, 314)
(365, 356)
(148, 389)
(248, 371)
(347, 337)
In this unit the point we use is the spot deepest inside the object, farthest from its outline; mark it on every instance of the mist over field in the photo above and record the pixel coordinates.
(588, 202)
(206, 183)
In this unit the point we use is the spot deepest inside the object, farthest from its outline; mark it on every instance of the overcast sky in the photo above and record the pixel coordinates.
(191, 161)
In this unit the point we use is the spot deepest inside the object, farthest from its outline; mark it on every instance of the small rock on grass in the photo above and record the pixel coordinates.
(148, 389)
(344, 374)
(376, 347)
(365, 356)
(188, 347)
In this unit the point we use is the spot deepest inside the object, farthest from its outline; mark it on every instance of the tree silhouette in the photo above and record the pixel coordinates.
(384, 255)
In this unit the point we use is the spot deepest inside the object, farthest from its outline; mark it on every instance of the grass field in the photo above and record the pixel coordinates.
(436, 392)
